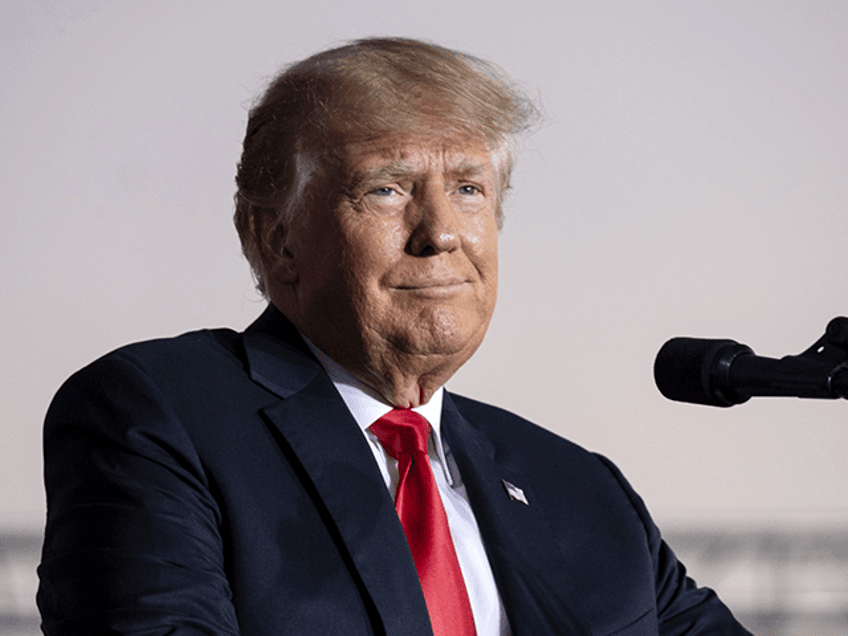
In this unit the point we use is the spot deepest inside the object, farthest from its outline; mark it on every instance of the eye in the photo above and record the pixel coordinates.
(468, 190)
(385, 191)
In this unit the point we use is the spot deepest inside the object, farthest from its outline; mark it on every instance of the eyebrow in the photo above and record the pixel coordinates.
(389, 172)
(468, 168)
(385, 172)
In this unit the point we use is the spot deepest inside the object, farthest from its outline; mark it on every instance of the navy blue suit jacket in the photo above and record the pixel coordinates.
(215, 483)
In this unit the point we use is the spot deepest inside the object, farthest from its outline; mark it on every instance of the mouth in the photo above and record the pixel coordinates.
(435, 287)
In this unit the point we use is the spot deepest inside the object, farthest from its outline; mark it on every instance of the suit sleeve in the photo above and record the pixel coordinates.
(133, 542)
(683, 608)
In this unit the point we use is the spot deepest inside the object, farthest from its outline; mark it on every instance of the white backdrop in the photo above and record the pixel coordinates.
(691, 178)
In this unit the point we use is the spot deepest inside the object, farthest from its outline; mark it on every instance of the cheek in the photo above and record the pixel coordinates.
(486, 261)
(483, 247)
(364, 261)
(372, 250)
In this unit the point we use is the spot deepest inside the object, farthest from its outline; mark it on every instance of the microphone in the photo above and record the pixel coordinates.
(725, 373)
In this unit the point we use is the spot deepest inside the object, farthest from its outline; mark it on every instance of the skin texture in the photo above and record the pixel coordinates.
(393, 270)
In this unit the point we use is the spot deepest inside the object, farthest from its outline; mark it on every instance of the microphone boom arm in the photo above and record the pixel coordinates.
(724, 372)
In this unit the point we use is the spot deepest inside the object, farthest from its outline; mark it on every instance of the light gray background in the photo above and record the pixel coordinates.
(690, 179)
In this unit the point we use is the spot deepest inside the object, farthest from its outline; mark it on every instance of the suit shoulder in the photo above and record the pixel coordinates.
(500, 424)
(163, 362)
(475, 409)
(194, 348)
(199, 343)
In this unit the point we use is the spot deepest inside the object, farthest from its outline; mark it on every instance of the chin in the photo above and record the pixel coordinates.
(444, 337)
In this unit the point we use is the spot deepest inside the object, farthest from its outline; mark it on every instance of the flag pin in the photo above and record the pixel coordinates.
(515, 493)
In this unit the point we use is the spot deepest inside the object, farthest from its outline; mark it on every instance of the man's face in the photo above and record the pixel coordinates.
(398, 256)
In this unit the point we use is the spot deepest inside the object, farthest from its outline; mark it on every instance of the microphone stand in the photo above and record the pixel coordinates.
(825, 362)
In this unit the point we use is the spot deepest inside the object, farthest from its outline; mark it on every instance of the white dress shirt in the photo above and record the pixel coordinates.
(367, 407)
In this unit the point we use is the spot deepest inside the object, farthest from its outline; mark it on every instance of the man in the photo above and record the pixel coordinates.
(261, 483)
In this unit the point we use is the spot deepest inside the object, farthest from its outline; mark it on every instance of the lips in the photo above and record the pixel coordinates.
(432, 283)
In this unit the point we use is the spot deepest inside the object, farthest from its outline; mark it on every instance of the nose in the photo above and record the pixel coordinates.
(436, 228)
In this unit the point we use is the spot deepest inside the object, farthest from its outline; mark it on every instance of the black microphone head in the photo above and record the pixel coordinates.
(683, 370)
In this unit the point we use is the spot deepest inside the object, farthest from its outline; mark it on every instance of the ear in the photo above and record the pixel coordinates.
(279, 260)
(283, 268)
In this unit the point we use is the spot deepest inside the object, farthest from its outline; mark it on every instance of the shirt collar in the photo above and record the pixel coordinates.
(367, 406)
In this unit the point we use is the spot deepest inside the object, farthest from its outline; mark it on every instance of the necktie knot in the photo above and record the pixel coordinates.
(402, 431)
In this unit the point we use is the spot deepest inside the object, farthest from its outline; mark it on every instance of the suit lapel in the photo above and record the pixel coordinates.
(530, 571)
(348, 489)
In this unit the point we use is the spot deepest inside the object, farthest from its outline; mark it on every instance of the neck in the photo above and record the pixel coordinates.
(402, 380)
(405, 381)
(403, 390)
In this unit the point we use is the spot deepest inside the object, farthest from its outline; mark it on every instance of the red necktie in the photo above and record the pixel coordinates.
(404, 434)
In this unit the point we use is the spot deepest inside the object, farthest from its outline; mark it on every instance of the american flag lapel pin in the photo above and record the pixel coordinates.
(515, 493)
